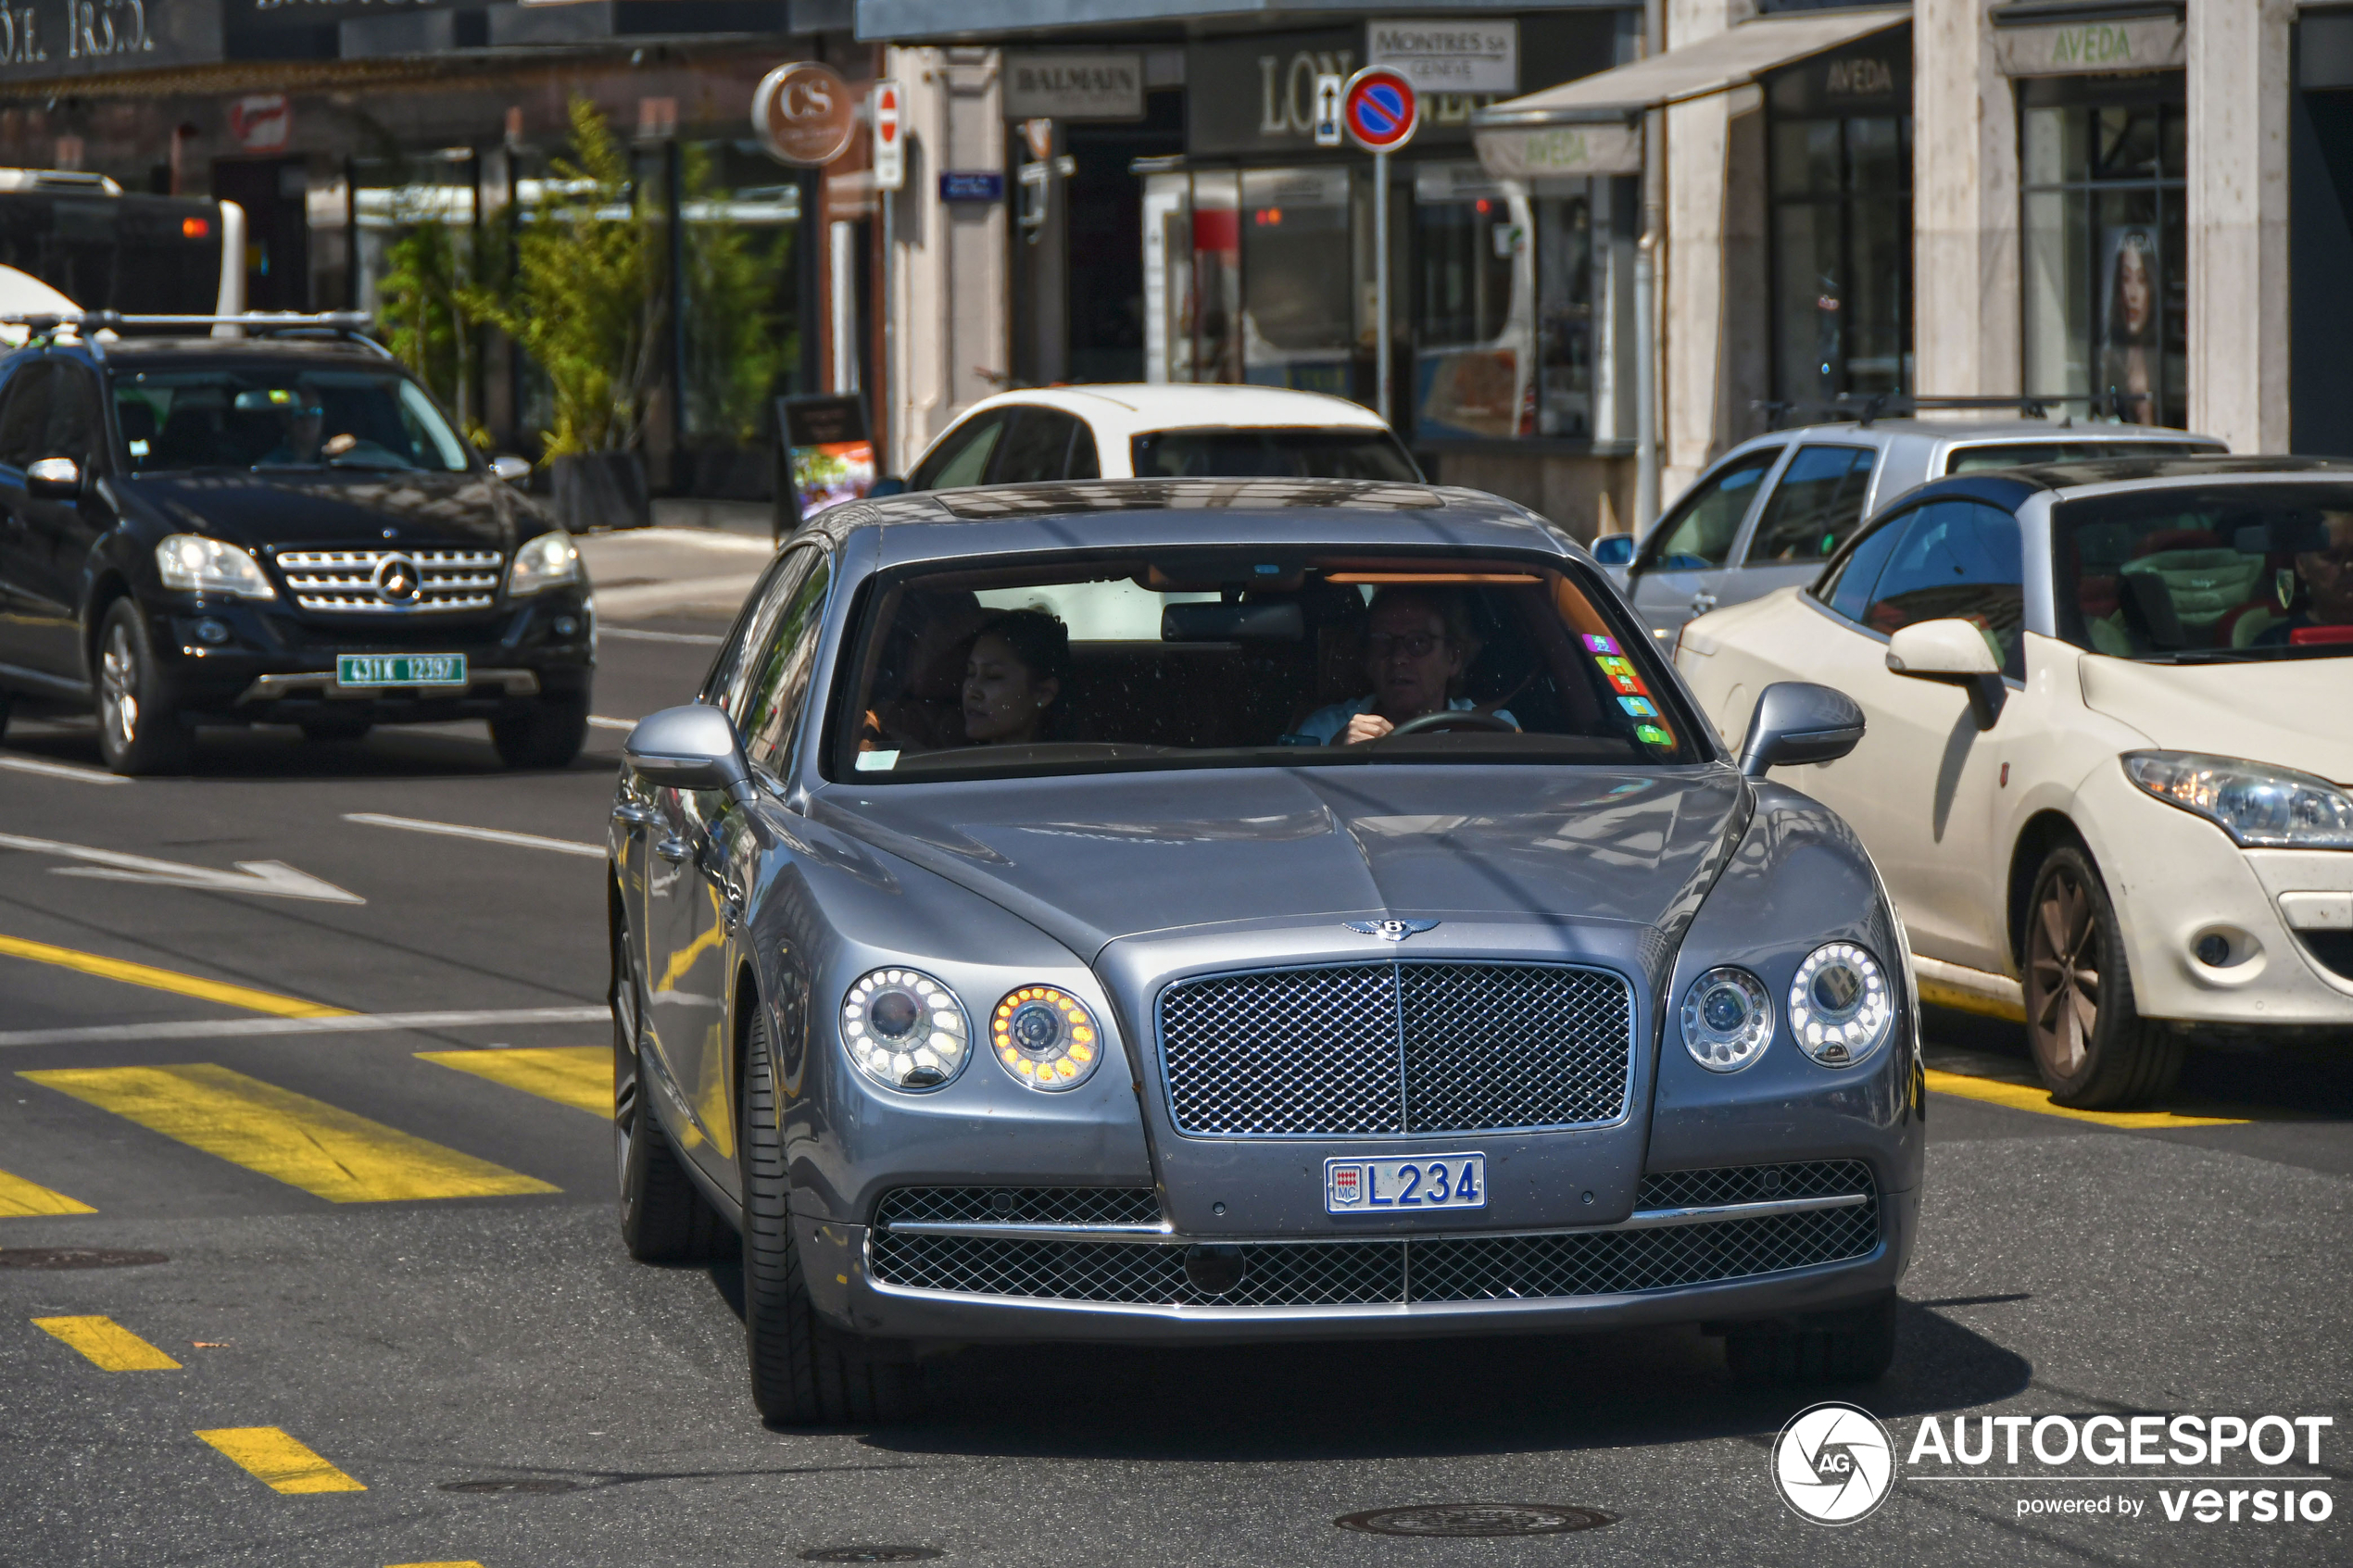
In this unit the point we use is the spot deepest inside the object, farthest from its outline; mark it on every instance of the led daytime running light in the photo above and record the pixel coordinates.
(905, 1030)
(1045, 1037)
(1727, 1019)
(1840, 1007)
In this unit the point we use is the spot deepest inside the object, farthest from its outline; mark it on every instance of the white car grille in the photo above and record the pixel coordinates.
(391, 582)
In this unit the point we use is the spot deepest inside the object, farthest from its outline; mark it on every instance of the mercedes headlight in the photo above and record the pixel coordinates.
(1045, 1037)
(547, 561)
(905, 1030)
(2259, 806)
(1727, 1019)
(197, 565)
(1840, 1005)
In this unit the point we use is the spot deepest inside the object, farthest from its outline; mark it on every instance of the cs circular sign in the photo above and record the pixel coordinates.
(804, 113)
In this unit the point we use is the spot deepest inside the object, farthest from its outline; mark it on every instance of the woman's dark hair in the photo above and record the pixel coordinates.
(1038, 639)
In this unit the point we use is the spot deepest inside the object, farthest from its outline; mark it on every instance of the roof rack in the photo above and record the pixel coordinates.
(1864, 408)
(350, 325)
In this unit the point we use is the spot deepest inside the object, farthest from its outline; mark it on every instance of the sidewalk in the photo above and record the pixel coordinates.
(699, 561)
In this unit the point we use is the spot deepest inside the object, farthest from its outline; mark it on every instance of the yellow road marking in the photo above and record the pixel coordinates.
(166, 980)
(22, 1200)
(109, 1345)
(469, 1563)
(2026, 1096)
(279, 1462)
(580, 1076)
(303, 1142)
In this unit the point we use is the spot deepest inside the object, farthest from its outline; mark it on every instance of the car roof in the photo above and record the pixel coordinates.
(1131, 407)
(1997, 431)
(2116, 470)
(281, 347)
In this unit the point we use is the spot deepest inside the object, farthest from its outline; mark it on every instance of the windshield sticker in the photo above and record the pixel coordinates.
(1650, 735)
(1619, 672)
(1639, 707)
(878, 761)
(1600, 645)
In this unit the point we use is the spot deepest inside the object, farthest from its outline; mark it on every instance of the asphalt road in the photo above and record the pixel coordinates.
(387, 1268)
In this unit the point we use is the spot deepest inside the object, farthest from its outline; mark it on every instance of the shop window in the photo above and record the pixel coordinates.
(416, 246)
(1296, 236)
(738, 325)
(2105, 248)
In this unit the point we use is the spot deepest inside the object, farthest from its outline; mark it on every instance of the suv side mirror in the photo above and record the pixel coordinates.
(694, 747)
(1614, 549)
(1955, 653)
(54, 479)
(1798, 722)
(513, 470)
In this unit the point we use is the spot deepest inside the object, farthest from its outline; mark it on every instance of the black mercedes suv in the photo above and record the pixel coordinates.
(273, 529)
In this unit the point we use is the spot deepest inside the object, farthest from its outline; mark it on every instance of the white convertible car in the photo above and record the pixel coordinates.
(2105, 776)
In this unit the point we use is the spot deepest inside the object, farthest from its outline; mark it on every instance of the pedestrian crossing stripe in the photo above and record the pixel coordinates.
(109, 1345)
(288, 1136)
(580, 1076)
(21, 1200)
(279, 1461)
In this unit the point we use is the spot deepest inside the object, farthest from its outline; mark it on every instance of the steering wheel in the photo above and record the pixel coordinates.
(1467, 718)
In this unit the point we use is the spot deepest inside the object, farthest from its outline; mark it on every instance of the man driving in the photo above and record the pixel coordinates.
(302, 421)
(1418, 643)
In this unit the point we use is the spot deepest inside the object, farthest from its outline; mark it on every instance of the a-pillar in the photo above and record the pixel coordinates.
(2237, 210)
(1965, 242)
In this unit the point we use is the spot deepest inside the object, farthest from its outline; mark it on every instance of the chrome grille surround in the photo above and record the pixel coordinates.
(1389, 1271)
(343, 581)
(1399, 1048)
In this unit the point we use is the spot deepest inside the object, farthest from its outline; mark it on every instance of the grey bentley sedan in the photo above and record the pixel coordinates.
(1174, 911)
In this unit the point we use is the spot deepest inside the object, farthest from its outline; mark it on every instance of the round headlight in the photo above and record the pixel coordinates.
(1840, 1007)
(1045, 1037)
(1727, 1019)
(905, 1030)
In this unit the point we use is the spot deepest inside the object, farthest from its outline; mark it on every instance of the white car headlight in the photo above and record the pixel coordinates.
(1046, 1038)
(197, 565)
(2259, 806)
(905, 1030)
(1727, 1019)
(548, 561)
(1840, 1006)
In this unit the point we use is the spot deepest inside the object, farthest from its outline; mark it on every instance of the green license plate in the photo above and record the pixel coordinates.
(400, 670)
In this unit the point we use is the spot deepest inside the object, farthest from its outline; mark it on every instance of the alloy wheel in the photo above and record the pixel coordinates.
(2063, 975)
(625, 1055)
(118, 685)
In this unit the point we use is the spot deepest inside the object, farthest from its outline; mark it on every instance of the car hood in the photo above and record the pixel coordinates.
(1091, 859)
(2292, 714)
(272, 511)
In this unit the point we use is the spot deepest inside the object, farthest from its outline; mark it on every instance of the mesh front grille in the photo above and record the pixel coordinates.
(1752, 1183)
(1511, 1268)
(1396, 1048)
(351, 582)
(1034, 1206)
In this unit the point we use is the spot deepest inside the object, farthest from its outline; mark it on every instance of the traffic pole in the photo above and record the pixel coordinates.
(1380, 285)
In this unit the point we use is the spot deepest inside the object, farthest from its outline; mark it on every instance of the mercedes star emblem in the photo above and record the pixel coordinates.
(397, 579)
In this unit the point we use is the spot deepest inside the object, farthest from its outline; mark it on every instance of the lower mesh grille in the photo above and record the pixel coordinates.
(1508, 1268)
(1031, 1206)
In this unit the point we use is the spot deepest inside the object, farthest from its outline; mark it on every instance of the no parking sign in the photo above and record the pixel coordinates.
(1379, 109)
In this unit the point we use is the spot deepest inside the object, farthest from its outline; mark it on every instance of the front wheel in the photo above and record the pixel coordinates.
(804, 1370)
(2092, 1047)
(548, 733)
(140, 730)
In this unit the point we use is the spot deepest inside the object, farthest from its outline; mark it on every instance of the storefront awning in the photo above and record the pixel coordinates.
(1592, 125)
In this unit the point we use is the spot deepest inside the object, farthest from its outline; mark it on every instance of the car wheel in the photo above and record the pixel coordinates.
(663, 1219)
(804, 1370)
(1858, 1351)
(8, 703)
(140, 730)
(545, 734)
(340, 726)
(2092, 1047)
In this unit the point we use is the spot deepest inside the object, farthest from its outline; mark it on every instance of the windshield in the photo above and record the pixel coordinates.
(1228, 659)
(1271, 453)
(280, 416)
(2208, 573)
(2015, 453)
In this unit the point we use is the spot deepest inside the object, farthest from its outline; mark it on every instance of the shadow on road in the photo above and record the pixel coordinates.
(269, 753)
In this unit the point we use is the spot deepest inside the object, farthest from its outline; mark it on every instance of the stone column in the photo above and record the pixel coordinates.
(1965, 239)
(1694, 279)
(2237, 211)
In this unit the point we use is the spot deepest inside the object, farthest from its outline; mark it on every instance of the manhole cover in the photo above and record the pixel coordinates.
(871, 1554)
(1477, 1519)
(75, 1257)
(482, 1488)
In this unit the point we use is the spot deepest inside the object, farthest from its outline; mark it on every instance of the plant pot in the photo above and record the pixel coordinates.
(729, 473)
(600, 490)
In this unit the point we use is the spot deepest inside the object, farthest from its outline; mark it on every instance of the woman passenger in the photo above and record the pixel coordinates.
(1013, 676)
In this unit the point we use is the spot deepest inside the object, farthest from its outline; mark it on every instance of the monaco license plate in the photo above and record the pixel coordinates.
(1422, 1181)
(400, 670)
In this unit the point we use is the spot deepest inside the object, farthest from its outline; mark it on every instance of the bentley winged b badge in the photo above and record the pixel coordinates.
(1390, 929)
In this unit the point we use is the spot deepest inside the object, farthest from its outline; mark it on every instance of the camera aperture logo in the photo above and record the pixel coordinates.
(1833, 1463)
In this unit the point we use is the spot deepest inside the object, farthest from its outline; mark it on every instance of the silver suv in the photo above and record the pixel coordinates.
(1772, 511)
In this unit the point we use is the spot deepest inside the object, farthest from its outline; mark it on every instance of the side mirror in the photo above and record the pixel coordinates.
(892, 485)
(1955, 653)
(1798, 722)
(513, 470)
(691, 747)
(1614, 549)
(54, 479)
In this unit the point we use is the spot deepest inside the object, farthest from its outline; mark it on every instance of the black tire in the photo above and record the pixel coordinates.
(663, 1218)
(804, 1370)
(335, 727)
(8, 705)
(2090, 1045)
(140, 730)
(1858, 1351)
(548, 733)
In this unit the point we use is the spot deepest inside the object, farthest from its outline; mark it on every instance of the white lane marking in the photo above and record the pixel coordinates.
(351, 1023)
(273, 878)
(488, 835)
(631, 633)
(629, 541)
(61, 770)
(599, 721)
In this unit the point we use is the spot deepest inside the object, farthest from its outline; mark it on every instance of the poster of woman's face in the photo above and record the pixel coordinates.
(2129, 322)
